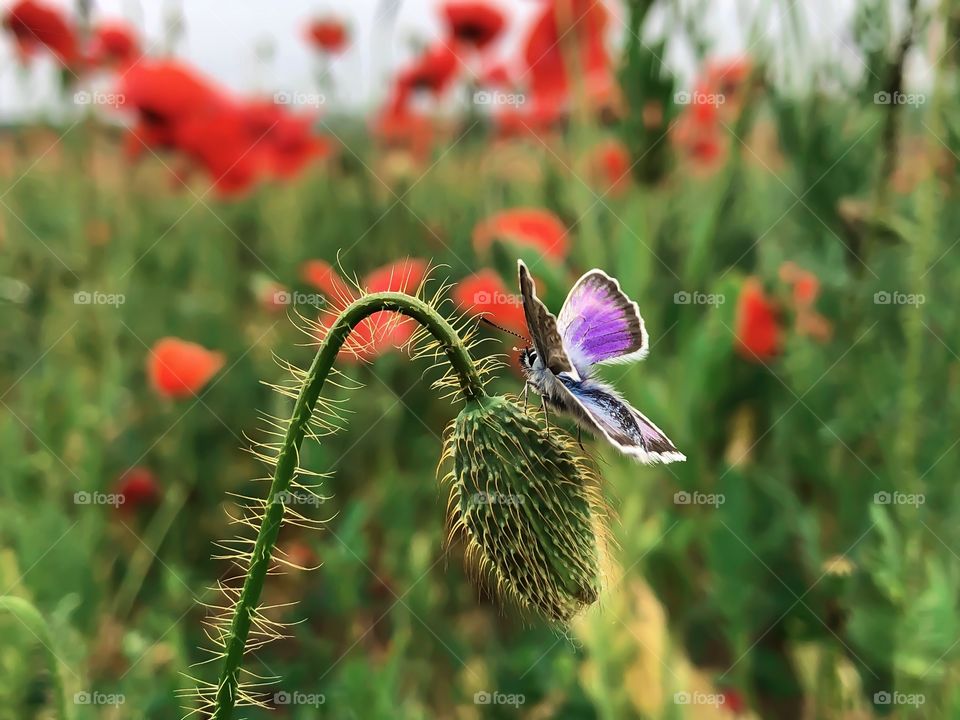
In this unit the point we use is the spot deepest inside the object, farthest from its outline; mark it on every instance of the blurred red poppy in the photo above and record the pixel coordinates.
(35, 25)
(433, 71)
(139, 488)
(398, 127)
(758, 331)
(283, 140)
(165, 93)
(703, 145)
(328, 34)
(698, 132)
(114, 44)
(401, 276)
(236, 143)
(805, 288)
(564, 27)
(221, 142)
(611, 166)
(536, 119)
(496, 76)
(325, 279)
(473, 22)
(715, 102)
(178, 368)
(805, 285)
(484, 294)
(706, 149)
(533, 227)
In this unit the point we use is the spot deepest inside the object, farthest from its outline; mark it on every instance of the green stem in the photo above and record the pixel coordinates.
(459, 359)
(142, 560)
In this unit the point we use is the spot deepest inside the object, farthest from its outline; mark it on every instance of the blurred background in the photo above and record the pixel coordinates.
(775, 183)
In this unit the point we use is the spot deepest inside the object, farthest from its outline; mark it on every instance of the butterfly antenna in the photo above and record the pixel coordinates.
(503, 329)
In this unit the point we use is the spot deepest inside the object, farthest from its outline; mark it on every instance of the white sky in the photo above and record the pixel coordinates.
(222, 40)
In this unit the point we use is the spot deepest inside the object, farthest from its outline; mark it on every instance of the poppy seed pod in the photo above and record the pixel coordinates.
(528, 507)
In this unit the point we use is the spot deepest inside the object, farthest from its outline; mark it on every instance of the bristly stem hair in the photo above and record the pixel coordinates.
(245, 612)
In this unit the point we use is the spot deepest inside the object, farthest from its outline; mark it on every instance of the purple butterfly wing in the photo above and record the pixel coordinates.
(599, 323)
(601, 409)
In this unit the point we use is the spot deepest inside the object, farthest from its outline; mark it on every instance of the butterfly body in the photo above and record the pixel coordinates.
(598, 324)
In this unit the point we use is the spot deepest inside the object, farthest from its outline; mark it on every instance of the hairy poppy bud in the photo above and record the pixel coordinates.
(527, 504)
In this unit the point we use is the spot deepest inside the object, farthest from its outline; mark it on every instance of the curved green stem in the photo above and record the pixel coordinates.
(459, 359)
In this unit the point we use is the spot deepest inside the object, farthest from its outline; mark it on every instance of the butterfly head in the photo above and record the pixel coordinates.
(528, 358)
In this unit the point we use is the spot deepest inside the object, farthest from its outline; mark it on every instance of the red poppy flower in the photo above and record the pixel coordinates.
(328, 34)
(236, 144)
(433, 71)
(699, 141)
(178, 368)
(758, 332)
(715, 101)
(534, 119)
(284, 141)
(293, 146)
(563, 24)
(114, 44)
(532, 227)
(496, 76)
(35, 25)
(139, 488)
(706, 150)
(401, 128)
(165, 93)
(325, 279)
(699, 133)
(484, 294)
(222, 143)
(805, 287)
(401, 276)
(704, 108)
(473, 22)
(611, 165)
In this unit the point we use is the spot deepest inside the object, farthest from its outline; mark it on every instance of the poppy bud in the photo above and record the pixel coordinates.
(527, 505)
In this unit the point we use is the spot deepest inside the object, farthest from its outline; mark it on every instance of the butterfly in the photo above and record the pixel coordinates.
(597, 324)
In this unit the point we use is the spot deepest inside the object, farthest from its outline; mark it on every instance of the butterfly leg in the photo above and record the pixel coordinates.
(546, 417)
(580, 438)
(526, 389)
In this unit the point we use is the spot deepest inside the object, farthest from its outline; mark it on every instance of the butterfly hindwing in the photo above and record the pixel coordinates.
(542, 325)
(625, 427)
(599, 323)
